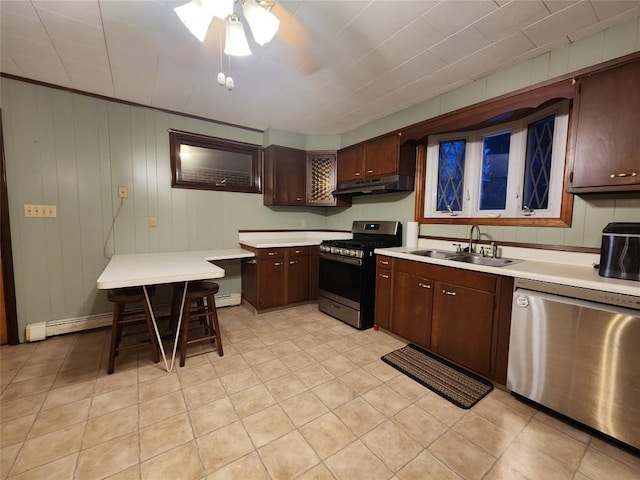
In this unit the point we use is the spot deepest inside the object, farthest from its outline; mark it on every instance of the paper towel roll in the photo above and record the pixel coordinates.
(413, 230)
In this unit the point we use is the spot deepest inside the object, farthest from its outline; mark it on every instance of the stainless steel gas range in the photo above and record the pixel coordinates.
(347, 271)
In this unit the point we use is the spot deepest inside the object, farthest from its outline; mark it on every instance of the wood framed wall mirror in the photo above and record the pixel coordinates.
(210, 163)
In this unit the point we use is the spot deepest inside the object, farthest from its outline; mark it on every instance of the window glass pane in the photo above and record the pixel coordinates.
(450, 175)
(216, 167)
(538, 164)
(495, 167)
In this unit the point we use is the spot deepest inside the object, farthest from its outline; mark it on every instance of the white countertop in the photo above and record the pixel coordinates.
(131, 270)
(584, 276)
(288, 239)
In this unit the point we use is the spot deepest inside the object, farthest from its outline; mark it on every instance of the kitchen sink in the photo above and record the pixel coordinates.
(442, 254)
(479, 260)
(466, 258)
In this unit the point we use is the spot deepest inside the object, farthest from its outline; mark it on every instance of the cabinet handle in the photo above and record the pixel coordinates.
(384, 262)
(271, 254)
(298, 199)
(369, 171)
(277, 264)
(622, 175)
(291, 262)
(424, 285)
(447, 292)
(357, 174)
(298, 251)
(383, 275)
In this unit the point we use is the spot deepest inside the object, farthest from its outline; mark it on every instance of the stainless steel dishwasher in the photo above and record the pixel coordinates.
(577, 351)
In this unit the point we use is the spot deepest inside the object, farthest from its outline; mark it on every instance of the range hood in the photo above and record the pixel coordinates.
(391, 183)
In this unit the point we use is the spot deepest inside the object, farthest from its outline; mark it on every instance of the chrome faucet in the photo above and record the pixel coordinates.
(471, 247)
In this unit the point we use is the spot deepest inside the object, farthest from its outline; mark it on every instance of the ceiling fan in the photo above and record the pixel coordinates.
(266, 19)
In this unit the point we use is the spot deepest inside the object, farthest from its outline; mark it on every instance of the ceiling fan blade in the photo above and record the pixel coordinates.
(294, 34)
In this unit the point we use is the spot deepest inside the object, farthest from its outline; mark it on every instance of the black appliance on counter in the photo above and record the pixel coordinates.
(348, 271)
(620, 252)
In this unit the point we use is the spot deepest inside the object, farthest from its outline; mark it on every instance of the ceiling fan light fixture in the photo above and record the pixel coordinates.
(264, 24)
(219, 8)
(195, 17)
(236, 41)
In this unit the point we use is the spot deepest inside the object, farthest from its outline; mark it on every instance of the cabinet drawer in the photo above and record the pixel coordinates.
(266, 253)
(384, 262)
(457, 276)
(298, 251)
(417, 268)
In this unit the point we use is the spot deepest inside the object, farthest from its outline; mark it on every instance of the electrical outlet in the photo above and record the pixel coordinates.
(40, 211)
(153, 222)
(123, 191)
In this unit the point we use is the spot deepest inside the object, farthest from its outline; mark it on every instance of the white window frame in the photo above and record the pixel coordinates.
(516, 169)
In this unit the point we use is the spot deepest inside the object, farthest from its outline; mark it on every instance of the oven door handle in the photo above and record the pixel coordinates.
(339, 258)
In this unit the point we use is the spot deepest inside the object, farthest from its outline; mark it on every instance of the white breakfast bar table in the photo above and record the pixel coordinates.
(144, 269)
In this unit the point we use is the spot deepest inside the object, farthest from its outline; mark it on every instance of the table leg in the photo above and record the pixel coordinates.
(155, 326)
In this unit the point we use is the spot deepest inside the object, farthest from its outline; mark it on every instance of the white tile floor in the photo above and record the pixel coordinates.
(296, 395)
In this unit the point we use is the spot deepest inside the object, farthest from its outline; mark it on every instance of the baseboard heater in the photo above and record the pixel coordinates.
(41, 330)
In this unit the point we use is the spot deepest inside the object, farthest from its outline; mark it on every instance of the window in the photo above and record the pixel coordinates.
(510, 170)
(209, 163)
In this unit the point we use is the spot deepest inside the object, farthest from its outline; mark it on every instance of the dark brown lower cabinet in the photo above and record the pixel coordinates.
(384, 282)
(277, 277)
(297, 279)
(461, 315)
(462, 326)
(412, 306)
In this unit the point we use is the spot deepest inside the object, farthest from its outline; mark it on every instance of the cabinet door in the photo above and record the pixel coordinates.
(297, 279)
(383, 297)
(285, 176)
(607, 145)
(462, 320)
(249, 277)
(412, 306)
(322, 178)
(381, 156)
(270, 283)
(350, 164)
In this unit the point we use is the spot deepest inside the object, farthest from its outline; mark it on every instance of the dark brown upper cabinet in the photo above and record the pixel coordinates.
(284, 176)
(379, 157)
(297, 177)
(606, 143)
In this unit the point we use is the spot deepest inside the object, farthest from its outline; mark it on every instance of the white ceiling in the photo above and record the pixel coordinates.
(374, 57)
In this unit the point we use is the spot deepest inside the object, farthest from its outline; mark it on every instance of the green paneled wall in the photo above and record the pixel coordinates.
(73, 151)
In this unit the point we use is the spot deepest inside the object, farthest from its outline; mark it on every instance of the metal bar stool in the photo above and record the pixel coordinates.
(199, 304)
(130, 317)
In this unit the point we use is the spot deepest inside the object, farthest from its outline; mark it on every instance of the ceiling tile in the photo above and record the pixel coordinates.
(557, 5)
(489, 59)
(511, 17)
(412, 40)
(460, 45)
(86, 11)
(59, 27)
(610, 8)
(450, 17)
(90, 78)
(563, 23)
(604, 24)
(25, 26)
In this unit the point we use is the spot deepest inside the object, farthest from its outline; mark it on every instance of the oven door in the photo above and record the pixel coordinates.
(341, 279)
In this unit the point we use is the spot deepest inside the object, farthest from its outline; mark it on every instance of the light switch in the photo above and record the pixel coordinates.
(153, 222)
